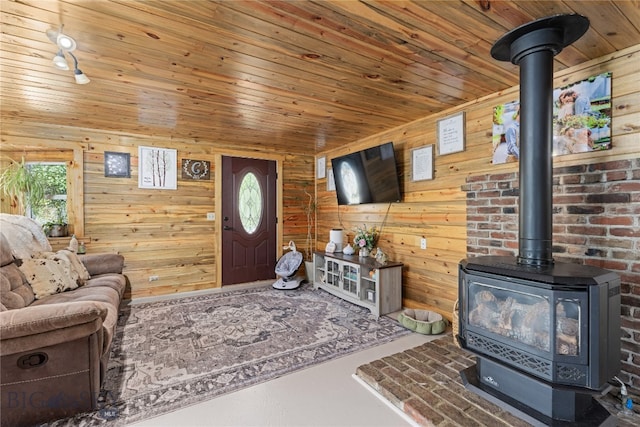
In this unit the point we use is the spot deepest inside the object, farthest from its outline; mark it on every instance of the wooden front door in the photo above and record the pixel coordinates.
(248, 220)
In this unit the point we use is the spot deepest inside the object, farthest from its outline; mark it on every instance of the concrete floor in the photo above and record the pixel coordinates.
(323, 395)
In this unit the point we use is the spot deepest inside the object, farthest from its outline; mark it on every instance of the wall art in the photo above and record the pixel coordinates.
(331, 182)
(422, 163)
(157, 168)
(581, 121)
(321, 165)
(451, 134)
(196, 169)
(117, 165)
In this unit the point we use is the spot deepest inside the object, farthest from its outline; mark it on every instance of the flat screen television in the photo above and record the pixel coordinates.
(367, 176)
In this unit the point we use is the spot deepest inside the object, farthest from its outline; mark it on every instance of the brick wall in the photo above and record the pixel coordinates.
(596, 222)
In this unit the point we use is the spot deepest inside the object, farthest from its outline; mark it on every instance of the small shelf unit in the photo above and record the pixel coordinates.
(360, 280)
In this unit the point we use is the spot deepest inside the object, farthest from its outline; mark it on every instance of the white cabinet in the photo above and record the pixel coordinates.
(360, 280)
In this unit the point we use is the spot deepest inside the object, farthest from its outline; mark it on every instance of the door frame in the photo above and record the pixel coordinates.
(279, 159)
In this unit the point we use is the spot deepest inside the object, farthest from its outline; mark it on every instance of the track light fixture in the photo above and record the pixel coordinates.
(81, 78)
(66, 44)
(60, 62)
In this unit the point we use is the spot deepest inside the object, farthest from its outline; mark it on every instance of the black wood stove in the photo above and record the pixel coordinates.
(546, 334)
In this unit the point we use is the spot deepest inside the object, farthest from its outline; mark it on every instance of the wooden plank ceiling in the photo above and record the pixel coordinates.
(298, 76)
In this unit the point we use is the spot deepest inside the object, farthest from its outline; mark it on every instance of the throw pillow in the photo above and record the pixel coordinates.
(76, 264)
(48, 276)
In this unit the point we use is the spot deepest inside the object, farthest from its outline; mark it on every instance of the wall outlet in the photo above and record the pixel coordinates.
(211, 216)
(153, 278)
(423, 243)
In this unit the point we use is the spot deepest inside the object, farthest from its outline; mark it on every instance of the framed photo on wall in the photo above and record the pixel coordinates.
(157, 168)
(117, 165)
(321, 165)
(422, 163)
(451, 134)
(331, 183)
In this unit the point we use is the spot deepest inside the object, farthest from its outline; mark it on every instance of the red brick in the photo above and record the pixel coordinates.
(591, 231)
(620, 164)
(611, 220)
(422, 413)
(616, 176)
(606, 264)
(625, 232)
(573, 199)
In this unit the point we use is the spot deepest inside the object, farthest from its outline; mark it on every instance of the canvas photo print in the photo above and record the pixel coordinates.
(581, 121)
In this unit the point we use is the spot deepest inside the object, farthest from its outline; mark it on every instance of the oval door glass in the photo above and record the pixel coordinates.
(250, 203)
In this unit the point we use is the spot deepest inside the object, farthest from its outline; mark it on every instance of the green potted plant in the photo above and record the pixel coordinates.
(58, 227)
(21, 186)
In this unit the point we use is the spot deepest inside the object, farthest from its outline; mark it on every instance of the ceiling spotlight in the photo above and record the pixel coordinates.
(60, 62)
(65, 42)
(81, 78)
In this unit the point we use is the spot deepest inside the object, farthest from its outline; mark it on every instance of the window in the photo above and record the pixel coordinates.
(52, 209)
(250, 203)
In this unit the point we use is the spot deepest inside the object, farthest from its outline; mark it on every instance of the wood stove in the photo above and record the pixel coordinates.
(546, 334)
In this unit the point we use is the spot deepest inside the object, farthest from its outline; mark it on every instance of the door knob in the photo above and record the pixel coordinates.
(226, 227)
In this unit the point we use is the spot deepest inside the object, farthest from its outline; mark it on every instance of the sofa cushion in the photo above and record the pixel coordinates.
(77, 270)
(6, 257)
(48, 276)
(15, 291)
(104, 294)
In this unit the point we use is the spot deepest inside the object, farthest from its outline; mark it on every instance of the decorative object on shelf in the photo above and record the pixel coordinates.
(423, 321)
(117, 165)
(336, 236)
(330, 248)
(73, 244)
(451, 134)
(381, 257)
(363, 252)
(58, 227)
(348, 250)
(365, 238)
(66, 44)
(196, 169)
(82, 249)
(157, 168)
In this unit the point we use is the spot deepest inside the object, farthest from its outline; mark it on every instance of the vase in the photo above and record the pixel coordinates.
(363, 252)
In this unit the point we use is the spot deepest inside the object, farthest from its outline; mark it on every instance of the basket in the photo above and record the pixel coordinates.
(455, 324)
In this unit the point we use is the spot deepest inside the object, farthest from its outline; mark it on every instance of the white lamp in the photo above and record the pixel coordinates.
(60, 62)
(81, 78)
(65, 42)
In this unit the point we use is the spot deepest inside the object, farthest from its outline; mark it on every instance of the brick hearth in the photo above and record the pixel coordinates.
(424, 382)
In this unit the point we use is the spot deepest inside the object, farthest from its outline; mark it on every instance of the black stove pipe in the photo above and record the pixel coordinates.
(533, 46)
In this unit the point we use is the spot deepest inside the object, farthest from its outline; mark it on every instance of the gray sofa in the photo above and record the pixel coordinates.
(54, 348)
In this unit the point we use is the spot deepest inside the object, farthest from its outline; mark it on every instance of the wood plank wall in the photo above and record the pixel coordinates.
(436, 209)
(161, 233)
(165, 233)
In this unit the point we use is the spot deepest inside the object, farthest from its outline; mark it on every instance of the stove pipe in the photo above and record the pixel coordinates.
(533, 46)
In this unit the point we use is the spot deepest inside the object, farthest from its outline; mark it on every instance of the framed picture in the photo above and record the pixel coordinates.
(117, 165)
(321, 165)
(331, 182)
(196, 169)
(581, 121)
(451, 134)
(157, 168)
(422, 163)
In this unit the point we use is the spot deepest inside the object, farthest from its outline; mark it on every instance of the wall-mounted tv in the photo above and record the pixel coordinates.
(367, 176)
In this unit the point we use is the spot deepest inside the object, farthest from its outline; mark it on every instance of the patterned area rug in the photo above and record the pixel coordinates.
(170, 354)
